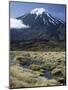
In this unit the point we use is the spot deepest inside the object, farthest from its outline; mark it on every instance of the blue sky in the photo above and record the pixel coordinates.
(20, 8)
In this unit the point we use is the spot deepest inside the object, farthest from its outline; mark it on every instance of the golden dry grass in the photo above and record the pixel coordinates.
(32, 74)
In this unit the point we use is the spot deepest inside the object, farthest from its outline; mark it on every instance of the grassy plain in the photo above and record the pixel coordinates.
(34, 69)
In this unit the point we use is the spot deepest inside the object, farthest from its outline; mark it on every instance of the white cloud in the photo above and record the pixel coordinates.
(16, 23)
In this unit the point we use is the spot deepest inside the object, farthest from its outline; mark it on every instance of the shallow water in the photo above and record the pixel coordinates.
(47, 74)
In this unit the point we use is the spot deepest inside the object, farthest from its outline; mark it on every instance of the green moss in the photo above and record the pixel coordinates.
(35, 67)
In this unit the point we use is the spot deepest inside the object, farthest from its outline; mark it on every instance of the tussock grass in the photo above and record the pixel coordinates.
(20, 77)
(28, 68)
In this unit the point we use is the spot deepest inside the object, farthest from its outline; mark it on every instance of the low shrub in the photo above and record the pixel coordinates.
(35, 67)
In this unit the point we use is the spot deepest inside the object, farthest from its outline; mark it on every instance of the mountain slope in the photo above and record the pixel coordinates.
(42, 27)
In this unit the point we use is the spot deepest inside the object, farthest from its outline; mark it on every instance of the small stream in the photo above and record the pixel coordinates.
(47, 74)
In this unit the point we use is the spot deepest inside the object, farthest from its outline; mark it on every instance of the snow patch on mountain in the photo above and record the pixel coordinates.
(44, 20)
(50, 16)
(51, 21)
(18, 24)
(38, 11)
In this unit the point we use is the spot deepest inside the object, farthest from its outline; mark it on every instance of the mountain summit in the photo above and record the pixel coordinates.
(38, 11)
(42, 26)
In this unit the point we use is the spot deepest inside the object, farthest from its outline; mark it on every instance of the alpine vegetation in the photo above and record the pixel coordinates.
(37, 45)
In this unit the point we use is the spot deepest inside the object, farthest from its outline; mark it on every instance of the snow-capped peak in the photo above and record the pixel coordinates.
(38, 11)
